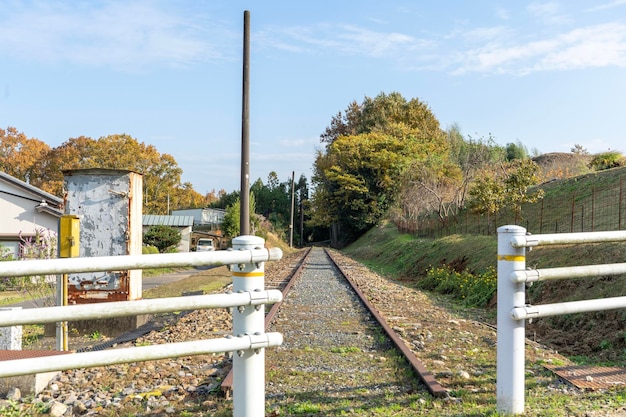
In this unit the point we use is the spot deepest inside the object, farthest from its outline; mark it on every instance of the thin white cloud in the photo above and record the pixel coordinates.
(548, 13)
(129, 36)
(595, 46)
(606, 6)
(484, 34)
(345, 39)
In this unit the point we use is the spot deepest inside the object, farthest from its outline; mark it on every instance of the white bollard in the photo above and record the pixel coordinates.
(511, 333)
(248, 365)
(10, 337)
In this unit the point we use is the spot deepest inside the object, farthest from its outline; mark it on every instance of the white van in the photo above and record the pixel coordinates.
(205, 245)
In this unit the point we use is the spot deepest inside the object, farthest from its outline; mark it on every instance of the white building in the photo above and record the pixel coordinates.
(203, 216)
(24, 209)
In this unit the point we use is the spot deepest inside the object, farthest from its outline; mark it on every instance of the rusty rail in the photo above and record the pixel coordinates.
(426, 376)
(227, 383)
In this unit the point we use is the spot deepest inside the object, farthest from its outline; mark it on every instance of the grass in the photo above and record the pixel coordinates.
(11, 297)
(410, 259)
(208, 281)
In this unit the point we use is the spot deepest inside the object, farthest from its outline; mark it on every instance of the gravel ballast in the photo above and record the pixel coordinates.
(334, 349)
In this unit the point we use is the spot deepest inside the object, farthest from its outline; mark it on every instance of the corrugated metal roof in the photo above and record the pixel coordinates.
(176, 221)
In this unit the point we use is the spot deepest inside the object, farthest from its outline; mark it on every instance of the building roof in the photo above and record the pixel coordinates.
(160, 220)
(47, 202)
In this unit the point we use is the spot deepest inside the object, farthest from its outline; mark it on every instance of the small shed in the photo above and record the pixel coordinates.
(25, 209)
(204, 216)
(108, 203)
(183, 223)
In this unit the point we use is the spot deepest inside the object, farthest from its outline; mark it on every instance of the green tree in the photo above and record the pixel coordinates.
(359, 179)
(231, 225)
(607, 160)
(225, 200)
(579, 150)
(490, 192)
(368, 148)
(516, 150)
(487, 195)
(164, 238)
(522, 175)
(383, 113)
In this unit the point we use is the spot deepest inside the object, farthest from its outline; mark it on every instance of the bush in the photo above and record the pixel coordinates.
(149, 250)
(473, 290)
(165, 238)
(607, 160)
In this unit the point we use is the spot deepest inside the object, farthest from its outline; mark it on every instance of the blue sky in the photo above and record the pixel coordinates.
(549, 74)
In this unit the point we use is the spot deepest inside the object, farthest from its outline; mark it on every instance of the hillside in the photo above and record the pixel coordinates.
(590, 337)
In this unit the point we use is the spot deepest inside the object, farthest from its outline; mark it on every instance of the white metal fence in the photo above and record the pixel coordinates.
(248, 339)
(513, 310)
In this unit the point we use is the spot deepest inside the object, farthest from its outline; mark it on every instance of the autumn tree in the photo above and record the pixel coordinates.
(161, 174)
(212, 197)
(21, 157)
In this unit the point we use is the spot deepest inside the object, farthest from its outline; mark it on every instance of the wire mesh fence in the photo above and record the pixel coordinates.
(586, 204)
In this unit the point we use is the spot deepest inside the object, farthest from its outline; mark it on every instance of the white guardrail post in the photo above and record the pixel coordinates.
(248, 365)
(511, 333)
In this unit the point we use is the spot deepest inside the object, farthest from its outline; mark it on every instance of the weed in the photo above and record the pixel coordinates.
(304, 408)
(345, 349)
(96, 335)
(31, 334)
(605, 344)
(12, 409)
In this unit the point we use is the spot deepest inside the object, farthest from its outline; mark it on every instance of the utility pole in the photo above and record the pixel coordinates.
(291, 217)
(244, 193)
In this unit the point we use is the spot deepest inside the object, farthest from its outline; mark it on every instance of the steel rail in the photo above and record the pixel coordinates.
(425, 375)
(227, 383)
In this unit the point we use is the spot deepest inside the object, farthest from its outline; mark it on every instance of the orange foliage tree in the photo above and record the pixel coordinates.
(33, 161)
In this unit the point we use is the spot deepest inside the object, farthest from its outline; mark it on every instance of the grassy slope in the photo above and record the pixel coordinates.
(599, 337)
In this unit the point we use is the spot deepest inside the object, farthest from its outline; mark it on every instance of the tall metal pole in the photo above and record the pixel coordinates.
(244, 194)
(291, 216)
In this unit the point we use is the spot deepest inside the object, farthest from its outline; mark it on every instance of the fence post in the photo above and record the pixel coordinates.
(511, 333)
(11, 337)
(248, 365)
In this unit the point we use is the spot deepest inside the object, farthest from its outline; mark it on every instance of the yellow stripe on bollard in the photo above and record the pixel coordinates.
(512, 258)
(248, 274)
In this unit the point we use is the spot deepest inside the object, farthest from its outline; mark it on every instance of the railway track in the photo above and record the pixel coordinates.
(301, 269)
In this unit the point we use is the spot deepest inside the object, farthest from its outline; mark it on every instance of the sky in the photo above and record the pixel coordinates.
(549, 74)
